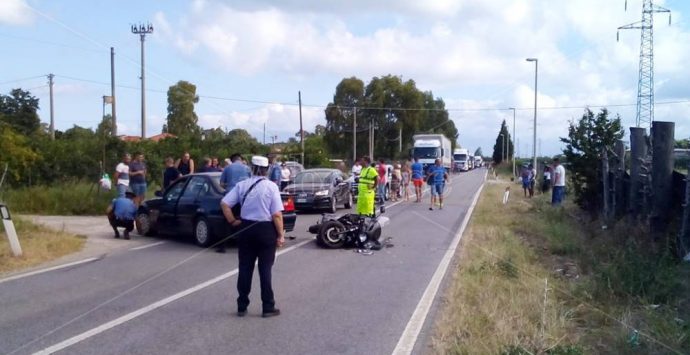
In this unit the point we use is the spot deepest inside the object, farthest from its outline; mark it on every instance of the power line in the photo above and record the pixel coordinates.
(22, 79)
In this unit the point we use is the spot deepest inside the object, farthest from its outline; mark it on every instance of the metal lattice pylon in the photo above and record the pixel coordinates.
(645, 84)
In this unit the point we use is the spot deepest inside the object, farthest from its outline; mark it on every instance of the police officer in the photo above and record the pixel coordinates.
(366, 194)
(261, 231)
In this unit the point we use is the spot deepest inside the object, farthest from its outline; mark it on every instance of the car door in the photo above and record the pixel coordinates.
(339, 187)
(189, 202)
(166, 215)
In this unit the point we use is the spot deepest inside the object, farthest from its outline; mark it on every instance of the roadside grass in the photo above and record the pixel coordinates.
(68, 198)
(606, 291)
(39, 245)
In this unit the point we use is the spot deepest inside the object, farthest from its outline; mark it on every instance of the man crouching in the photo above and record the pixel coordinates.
(121, 213)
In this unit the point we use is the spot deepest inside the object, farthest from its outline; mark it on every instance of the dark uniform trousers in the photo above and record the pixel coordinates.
(128, 224)
(258, 241)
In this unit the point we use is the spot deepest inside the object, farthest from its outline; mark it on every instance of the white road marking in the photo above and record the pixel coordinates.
(414, 326)
(147, 246)
(58, 267)
(141, 311)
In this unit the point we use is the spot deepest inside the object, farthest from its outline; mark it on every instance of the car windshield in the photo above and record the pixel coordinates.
(460, 157)
(429, 152)
(312, 177)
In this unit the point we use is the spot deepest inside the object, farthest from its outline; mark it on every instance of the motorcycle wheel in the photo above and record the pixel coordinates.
(328, 236)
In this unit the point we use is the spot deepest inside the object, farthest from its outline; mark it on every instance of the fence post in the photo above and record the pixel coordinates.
(684, 237)
(9, 229)
(605, 177)
(619, 184)
(638, 152)
(662, 175)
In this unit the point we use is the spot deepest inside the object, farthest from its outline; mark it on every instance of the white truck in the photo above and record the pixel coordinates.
(478, 161)
(429, 147)
(461, 160)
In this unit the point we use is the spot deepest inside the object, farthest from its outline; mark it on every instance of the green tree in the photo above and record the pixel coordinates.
(499, 148)
(478, 152)
(19, 111)
(182, 120)
(16, 154)
(106, 127)
(587, 139)
(349, 94)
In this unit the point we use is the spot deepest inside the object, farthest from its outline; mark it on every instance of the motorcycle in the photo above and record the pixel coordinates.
(351, 229)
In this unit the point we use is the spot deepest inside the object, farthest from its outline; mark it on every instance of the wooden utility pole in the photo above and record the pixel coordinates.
(662, 174)
(112, 90)
(638, 153)
(52, 112)
(301, 128)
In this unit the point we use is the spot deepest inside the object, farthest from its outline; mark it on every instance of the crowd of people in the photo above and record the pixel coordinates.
(553, 177)
(373, 179)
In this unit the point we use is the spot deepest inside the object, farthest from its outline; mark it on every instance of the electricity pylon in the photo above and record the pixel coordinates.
(645, 84)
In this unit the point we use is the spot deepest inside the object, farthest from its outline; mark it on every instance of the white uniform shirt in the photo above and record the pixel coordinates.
(560, 172)
(261, 203)
(356, 169)
(285, 174)
(123, 174)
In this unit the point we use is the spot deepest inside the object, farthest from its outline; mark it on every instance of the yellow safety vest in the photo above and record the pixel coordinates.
(367, 179)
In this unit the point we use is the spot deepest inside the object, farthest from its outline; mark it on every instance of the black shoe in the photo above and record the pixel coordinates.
(431, 208)
(117, 235)
(242, 313)
(127, 235)
(271, 313)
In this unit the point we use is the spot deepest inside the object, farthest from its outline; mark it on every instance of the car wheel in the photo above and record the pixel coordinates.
(386, 193)
(143, 224)
(202, 232)
(334, 206)
(329, 235)
(348, 204)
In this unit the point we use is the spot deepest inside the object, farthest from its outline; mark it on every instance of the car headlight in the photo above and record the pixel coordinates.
(321, 193)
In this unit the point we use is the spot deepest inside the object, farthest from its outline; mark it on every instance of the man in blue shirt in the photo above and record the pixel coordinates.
(234, 173)
(121, 213)
(417, 178)
(439, 176)
(274, 171)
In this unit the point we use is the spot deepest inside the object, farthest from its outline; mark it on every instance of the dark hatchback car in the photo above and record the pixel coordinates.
(320, 189)
(191, 206)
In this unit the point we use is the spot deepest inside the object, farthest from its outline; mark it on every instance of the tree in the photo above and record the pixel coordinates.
(16, 153)
(478, 152)
(182, 121)
(587, 139)
(106, 127)
(499, 148)
(349, 94)
(19, 111)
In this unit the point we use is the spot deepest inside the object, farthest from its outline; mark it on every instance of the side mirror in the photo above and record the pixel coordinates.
(383, 209)
(158, 193)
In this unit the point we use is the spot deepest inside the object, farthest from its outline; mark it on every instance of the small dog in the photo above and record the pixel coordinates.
(506, 194)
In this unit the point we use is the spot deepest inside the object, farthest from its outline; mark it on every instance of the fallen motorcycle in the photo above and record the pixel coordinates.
(350, 230)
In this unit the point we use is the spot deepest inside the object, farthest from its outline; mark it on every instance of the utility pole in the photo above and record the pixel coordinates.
(52, 112)
(301, 128)
(112, 90)
(142, 30)
(371, 140)
(264, 133)
(400, 140)
(513, 155)
(534, 142)
(354, 136)
(645, 83)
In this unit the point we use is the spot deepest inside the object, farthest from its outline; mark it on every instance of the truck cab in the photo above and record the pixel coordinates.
(461, 160)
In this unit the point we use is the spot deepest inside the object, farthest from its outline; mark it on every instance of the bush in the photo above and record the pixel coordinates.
(73, 198)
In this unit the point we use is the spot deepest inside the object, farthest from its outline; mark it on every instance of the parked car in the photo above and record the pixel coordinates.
(320, 189)
(191, 206)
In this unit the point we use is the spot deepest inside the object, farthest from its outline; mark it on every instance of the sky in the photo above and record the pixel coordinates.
(249, 59)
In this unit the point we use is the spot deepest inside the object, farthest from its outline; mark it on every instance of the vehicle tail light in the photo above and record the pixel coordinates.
(288, 205)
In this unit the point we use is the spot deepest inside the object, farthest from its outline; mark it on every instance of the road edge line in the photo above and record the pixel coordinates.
(52, 268)
(409, 337)
(149, 245)
(151, 307)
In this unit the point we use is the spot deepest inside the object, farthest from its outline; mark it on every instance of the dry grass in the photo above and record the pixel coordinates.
(497, 302)
(38, 244)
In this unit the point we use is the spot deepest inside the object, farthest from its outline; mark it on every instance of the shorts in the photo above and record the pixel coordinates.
(138, 188)
(121, 189)
(525, 184)
(437, 189)
(418, 182)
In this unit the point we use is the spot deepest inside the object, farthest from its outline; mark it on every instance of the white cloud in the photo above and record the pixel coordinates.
(15, 12)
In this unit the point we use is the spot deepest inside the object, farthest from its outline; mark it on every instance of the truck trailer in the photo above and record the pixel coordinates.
(429, 147)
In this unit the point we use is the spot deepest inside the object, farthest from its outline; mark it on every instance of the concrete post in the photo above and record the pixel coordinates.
(10, 231)
(619, 195)
(662, 174)
(684, 237)
(638, 152)
(605, 176)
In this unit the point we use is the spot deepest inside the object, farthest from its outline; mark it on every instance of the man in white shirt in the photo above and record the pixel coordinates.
(356, 169)
(558, 183)
(122, 175)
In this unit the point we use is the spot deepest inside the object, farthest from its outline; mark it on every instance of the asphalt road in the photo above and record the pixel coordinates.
(175, 298)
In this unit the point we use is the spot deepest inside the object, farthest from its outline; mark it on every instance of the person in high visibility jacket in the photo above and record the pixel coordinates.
(366, 196)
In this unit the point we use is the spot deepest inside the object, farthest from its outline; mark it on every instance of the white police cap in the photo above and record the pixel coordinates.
(258, 160)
